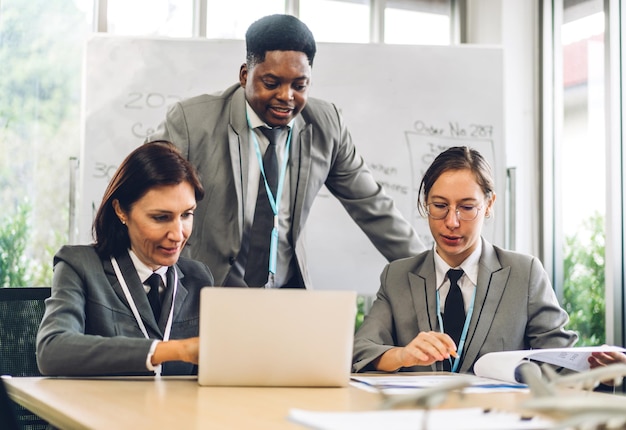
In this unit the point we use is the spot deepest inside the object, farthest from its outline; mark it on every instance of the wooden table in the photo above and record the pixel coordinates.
(179, 403)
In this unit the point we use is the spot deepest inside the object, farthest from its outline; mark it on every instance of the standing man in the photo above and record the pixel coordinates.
(264, 150)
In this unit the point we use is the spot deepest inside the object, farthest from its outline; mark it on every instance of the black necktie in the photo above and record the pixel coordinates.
(257, 266)
(153, 295)
(454, 310)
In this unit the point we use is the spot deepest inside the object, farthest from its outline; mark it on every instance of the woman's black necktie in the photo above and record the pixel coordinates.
(454, 311)
(257, 266)
(153, 295)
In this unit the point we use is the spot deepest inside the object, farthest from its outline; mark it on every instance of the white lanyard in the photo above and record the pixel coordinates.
(133, 307)
(274, 200)
(468, 317)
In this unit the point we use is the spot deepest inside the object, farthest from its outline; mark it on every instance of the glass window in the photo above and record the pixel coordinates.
(416, 28)
(41, 44)
(337, 21)
(150, 17)
(580, 160)
(230, 19)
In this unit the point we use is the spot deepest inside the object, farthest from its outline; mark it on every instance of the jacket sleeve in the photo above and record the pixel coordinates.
(546, 318)
(64, 348)
(351, 181)
(375, 336)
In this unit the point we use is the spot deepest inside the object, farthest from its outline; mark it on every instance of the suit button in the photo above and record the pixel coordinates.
(231, 260)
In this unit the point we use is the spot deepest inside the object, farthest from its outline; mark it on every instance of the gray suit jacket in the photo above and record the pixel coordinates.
(515, 308)
(88, 327)
(212, 132)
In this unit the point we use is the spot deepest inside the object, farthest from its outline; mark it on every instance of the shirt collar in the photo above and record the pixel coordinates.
(143, 270)
(469, 266)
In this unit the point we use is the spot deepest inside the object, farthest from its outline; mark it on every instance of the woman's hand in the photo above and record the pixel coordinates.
(177, 350)
(425, 349)
(598, 359)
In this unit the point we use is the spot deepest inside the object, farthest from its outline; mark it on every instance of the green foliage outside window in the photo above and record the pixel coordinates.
(41, 43)
(584, 281)
(16, 268)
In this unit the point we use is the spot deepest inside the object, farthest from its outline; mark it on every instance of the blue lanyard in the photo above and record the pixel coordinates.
(461, 344)
(274, 201)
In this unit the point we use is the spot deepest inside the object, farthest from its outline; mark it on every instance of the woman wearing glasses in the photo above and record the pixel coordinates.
(446, 307)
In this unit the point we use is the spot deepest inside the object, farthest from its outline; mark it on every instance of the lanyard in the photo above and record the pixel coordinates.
(133, 306)
(461, 344)
(274, 200)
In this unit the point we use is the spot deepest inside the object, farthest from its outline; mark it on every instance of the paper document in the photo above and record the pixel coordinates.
(401, 384)
(503, 365)
(440, 419)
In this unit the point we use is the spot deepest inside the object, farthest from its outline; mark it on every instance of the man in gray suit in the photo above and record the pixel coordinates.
(222, 135)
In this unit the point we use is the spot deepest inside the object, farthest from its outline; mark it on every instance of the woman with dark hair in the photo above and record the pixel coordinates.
(129, 304)
(446, 307)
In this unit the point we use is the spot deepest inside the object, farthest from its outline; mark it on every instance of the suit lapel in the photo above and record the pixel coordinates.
(238, 144)
(492, 281)
(300, 168)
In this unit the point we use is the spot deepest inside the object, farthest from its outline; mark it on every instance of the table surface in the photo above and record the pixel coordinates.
(131, 403)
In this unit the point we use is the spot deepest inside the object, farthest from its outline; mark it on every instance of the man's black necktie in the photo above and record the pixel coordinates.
(257, 266)
(454, 311)
(153, 295)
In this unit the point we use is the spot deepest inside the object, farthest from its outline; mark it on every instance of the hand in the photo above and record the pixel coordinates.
(177, 350)
(598, 359)
(189, 349)
(423, 350)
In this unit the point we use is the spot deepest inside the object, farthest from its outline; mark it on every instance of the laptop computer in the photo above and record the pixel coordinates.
(275, 337)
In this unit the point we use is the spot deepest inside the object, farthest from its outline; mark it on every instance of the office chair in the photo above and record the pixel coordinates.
(8, 416)
(21, 310)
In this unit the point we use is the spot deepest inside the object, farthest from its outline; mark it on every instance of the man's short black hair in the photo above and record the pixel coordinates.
(278, 33)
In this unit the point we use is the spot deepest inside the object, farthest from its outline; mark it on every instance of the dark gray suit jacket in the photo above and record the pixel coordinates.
(88, 327)
(515, 308)
(212, 132)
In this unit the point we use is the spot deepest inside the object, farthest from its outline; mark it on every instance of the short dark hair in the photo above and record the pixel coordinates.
(151, 165)
(278, 33)
(456, 158)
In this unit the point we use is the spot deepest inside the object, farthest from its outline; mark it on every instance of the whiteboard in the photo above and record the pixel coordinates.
(402, 104)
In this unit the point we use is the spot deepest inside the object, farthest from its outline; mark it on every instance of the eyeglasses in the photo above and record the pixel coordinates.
(463, 212)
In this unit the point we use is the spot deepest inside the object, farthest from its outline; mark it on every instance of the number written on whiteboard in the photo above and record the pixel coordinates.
(104, 171)
(137, 100)
(455, 129)
(152, 100)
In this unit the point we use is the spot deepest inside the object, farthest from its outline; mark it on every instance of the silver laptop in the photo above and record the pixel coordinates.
(275, 337)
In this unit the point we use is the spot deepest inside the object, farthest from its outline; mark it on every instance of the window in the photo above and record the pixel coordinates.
(150, 17)
(328, 23)
(580, 163)
(40, 81)
(230, 19)
(415, 23)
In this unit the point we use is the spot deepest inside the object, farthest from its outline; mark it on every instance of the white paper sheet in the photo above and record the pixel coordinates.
(405, 384)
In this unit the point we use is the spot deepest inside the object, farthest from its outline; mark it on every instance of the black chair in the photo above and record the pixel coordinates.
(8, 416)
(21, 310)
